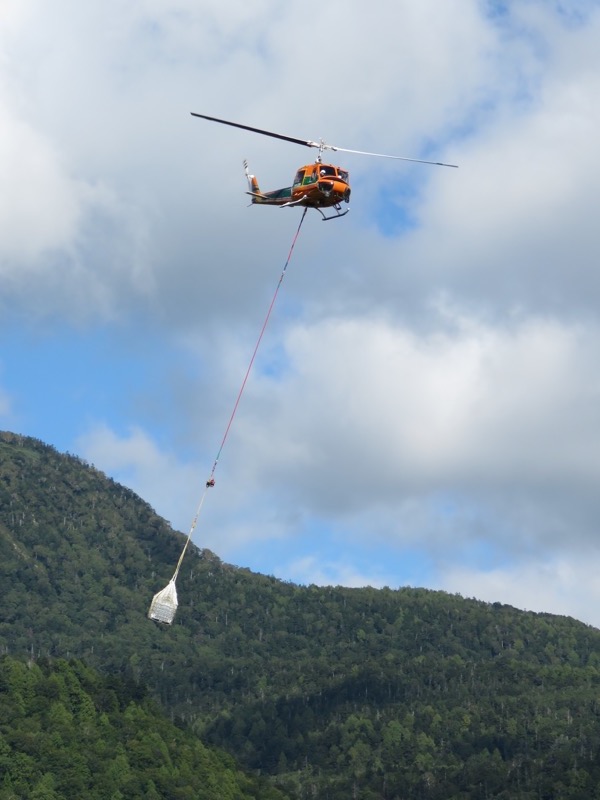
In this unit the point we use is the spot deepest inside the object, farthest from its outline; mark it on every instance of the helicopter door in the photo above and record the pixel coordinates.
(299, 177)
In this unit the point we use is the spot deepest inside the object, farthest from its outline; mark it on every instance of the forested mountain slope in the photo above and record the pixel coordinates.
(67, 732)
(333, 691)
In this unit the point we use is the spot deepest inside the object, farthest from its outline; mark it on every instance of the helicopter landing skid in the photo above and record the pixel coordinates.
(337, 215)
(301, 201)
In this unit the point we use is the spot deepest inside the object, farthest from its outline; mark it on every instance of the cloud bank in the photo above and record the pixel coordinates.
(424, 405)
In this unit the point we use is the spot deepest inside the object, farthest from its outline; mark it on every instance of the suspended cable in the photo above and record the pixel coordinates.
(164, 604)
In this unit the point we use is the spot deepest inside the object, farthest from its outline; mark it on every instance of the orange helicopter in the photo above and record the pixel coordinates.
(316, 185)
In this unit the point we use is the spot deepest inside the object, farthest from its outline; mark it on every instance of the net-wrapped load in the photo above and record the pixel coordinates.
(164, 604)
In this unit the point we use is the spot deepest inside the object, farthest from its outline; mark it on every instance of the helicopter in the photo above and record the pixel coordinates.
(318, 185)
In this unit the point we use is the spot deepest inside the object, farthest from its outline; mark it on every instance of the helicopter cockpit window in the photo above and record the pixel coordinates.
(325, 169)
(343, 175)
(299, 177)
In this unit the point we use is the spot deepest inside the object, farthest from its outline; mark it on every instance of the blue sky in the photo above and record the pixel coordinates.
(424, 406)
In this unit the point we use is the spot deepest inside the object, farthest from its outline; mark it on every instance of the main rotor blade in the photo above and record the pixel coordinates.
(321, 145)
(382, 155)
(305, 142)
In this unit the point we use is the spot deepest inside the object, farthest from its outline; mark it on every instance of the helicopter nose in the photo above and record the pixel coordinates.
(326, 187)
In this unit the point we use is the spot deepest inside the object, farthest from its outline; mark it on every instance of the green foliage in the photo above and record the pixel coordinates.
(329, 692)
(56, 742)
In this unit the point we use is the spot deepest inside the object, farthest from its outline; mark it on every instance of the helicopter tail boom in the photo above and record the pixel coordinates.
(278, 197)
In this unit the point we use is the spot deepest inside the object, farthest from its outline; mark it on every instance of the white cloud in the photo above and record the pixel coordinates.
(435, 385)
(106, 110)
(516, 230)
(439, 406)
(118, 174)
(136, 461)
(553, 585)
(313, 570)
(383, 430)
(42, 210)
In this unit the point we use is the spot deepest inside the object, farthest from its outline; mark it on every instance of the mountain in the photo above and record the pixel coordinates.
(331, 692)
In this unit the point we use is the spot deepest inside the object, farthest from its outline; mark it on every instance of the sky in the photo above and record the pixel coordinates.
(424, 408)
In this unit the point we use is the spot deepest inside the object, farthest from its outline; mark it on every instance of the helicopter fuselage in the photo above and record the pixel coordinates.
(315, 185)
